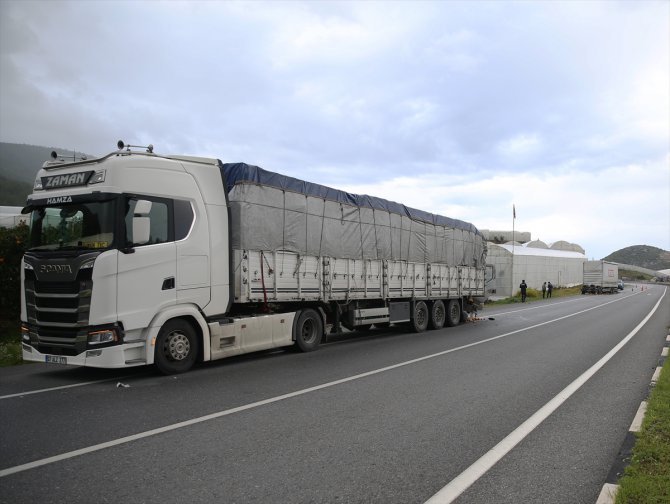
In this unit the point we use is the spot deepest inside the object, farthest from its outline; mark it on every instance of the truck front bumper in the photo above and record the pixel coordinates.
(118, 356)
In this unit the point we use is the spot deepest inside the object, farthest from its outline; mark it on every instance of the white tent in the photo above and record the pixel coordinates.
(562, 268)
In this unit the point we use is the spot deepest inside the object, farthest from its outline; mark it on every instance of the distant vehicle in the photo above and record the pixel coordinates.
(620, 284)
(600, 277)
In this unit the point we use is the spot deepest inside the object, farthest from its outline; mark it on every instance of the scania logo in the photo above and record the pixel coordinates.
(56, 268)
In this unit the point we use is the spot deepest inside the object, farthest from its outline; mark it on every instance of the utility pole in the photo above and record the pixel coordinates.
(513, 243)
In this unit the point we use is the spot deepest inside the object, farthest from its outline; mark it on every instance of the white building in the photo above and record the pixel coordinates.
(534, 262)
(11, 217)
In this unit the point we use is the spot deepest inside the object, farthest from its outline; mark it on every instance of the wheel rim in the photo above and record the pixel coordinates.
(454, 311)
(421, 315)
(439, 314)
(177, 346)
(308, 331)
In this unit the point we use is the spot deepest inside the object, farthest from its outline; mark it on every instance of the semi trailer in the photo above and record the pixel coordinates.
(137, 258)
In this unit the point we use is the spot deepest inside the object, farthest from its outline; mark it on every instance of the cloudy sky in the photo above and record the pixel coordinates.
(561, 108)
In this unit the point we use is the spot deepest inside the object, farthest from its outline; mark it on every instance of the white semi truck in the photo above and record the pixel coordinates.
(600, 277)
(137, 258)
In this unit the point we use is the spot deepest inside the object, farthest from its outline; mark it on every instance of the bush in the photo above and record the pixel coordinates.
(12, 246)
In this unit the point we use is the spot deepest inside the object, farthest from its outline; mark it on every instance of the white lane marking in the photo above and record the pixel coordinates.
(463, 481)
(62, 387)
(540, 306)
(127, 439)
(639, 417)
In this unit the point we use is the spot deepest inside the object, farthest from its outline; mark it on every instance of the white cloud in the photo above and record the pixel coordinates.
(459, 108)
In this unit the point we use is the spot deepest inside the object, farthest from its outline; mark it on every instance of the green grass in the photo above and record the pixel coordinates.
(534, 295)
(647, 479)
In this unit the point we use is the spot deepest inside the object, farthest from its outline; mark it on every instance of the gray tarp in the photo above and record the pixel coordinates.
(274, 212)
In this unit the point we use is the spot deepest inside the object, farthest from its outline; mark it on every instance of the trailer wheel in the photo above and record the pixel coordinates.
(176, 347)
(308, 331)
(453, 313)
(421, 317)
(438, 315)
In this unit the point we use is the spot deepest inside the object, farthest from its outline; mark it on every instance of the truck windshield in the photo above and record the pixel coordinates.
(81, 225)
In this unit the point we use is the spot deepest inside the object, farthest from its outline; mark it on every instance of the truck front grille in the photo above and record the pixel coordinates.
(58, 313)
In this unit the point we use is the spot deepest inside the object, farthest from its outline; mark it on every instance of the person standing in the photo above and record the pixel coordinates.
(523, 288)
(544, 289)
(549, 289)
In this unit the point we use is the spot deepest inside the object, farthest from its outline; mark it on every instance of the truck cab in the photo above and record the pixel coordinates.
(119, 246)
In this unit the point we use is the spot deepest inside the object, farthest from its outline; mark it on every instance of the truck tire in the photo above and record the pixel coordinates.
(176, 347)
(453, 313)
(421, 317)
(308, 330)
(438, 315)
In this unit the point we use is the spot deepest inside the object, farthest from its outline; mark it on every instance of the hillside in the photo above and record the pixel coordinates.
(18, 166)
(644, 256)
(20, 162)
(13, 192)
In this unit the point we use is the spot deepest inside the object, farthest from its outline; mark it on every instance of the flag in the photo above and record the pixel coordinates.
(513, 212)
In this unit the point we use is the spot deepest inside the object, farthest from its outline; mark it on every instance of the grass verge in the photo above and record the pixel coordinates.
(647, 479)
(535, 295)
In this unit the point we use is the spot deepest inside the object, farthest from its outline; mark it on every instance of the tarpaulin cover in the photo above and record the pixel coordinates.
(271, 211)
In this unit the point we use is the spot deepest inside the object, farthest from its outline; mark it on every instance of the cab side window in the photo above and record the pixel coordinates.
(171, 220)
(183, 219)
(160, 220)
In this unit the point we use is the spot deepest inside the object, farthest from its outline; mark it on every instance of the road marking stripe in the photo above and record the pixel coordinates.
(127, 439)
(62, 387)
(576, 299)
(639, 416)
(463, 481)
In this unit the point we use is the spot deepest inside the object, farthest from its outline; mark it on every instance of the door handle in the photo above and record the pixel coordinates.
(168, 283)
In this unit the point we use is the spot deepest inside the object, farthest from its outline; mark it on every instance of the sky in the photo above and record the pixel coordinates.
(465, 109)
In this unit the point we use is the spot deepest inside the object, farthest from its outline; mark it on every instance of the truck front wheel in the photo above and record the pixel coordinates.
(308, 330)
(176, 347)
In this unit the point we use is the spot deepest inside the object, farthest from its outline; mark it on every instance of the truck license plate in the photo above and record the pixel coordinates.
(55, 359)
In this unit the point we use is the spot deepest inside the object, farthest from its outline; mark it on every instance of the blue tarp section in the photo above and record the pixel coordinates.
(238, 173)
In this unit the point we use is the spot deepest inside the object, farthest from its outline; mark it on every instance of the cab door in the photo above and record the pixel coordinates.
(147, 269)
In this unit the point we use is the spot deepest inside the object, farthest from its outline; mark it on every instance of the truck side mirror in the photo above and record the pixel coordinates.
(141, 222)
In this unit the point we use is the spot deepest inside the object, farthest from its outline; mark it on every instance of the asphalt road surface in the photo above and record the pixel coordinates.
(530, 407)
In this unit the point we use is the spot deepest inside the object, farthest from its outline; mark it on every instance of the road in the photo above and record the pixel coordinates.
(383, 417)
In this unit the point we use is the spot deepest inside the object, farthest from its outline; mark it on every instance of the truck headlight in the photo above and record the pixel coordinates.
(104, 336)
(25, 334)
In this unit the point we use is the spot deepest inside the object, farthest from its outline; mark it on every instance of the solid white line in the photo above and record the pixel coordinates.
(639, 417)
(115, 442)
(62, 387)
(463, 481)
(547, 305)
